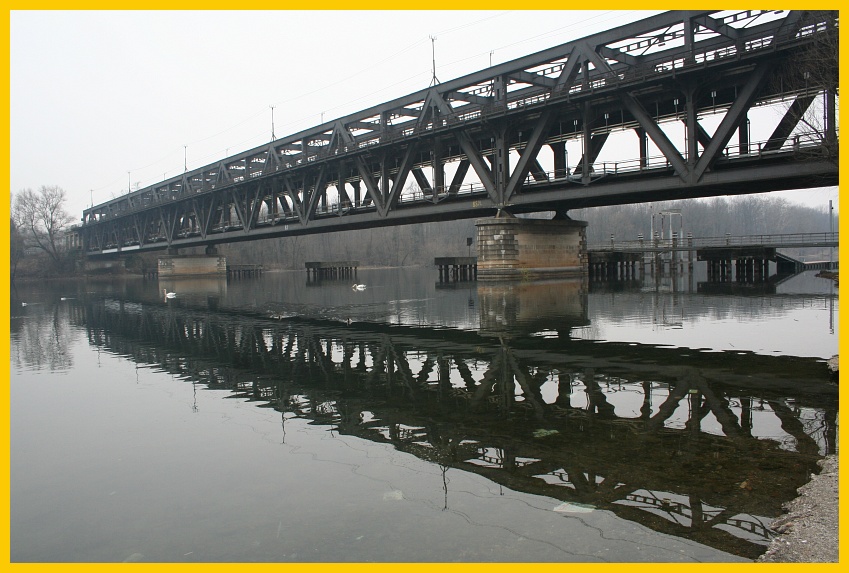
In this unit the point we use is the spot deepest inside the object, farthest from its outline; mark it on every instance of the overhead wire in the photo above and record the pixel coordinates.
(258, 137)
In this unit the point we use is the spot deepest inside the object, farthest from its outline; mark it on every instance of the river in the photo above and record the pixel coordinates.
(281, 419)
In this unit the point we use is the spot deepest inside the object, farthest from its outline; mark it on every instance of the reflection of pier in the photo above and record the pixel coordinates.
(633, 430)
(740, 288)
(509, 308)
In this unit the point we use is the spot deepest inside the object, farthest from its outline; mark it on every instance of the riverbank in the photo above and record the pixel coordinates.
(808, 531)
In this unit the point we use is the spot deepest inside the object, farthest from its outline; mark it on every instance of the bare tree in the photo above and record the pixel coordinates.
(41, 217)
(18, 247)
(813, 76)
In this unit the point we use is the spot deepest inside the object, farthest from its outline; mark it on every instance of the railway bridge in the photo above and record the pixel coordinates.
(671, 106)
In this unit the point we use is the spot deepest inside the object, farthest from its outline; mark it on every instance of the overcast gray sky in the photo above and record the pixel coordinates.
(104, 100)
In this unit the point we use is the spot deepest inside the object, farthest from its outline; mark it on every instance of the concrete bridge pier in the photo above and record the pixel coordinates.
(515, 248)
(191, 265)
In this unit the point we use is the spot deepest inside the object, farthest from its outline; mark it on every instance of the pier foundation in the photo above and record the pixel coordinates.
(191, 266)
(514, 248)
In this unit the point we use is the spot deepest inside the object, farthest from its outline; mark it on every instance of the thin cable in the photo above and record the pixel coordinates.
(378, 91)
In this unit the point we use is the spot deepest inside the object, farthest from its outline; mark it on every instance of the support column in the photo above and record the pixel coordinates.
(558, 149)
(644, 147)
(743, 135)
(357, 200)
(510, 248)
(501, 163)
(587, 148)
(438, 168)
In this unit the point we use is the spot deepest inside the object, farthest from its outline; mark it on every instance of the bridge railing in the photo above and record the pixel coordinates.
(786, 240)
(755, 150)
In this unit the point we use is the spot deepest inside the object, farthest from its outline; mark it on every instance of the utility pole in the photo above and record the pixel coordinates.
(272, 123)
(831, 228)
(433, 80)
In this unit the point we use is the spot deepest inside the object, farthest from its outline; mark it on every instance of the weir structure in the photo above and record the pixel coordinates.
(665, 107)
(749, 255)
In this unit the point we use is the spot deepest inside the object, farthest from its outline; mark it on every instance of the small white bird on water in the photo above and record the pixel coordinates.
(355, 286)
(168, 294)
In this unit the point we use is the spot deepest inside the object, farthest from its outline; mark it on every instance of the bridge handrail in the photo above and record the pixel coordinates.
(694, 243)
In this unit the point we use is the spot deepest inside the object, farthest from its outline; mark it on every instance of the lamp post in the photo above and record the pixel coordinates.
(831, 228)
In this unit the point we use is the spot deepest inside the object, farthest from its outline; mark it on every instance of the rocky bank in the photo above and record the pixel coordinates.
(807, 533)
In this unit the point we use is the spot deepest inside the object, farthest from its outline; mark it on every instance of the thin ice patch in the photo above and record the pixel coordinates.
(567, 507)
(543, 433)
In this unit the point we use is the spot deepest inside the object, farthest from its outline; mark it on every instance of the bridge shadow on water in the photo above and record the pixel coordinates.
(701, 445)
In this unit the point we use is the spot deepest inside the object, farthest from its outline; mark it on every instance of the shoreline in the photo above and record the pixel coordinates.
(808, 532)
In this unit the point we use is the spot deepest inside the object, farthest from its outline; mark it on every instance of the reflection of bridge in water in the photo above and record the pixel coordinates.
(705, 447)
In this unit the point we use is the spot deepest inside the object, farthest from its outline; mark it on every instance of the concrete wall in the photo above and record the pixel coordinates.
(510, 248)
(189, 266)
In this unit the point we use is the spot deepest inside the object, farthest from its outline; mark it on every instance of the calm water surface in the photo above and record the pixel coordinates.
(281, 419)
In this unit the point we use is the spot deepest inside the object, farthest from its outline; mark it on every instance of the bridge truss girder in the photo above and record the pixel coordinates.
(488, 129)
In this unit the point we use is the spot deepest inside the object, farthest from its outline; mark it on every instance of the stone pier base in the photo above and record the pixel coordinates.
(529, 249)
(94, 266)
(192, 266)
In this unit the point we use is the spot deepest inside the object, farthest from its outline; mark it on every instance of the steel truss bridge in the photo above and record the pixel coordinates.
(496, 140)
(451, 397)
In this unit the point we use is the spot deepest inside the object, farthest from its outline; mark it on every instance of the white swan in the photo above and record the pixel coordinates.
(168, 294)
(355, 286)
